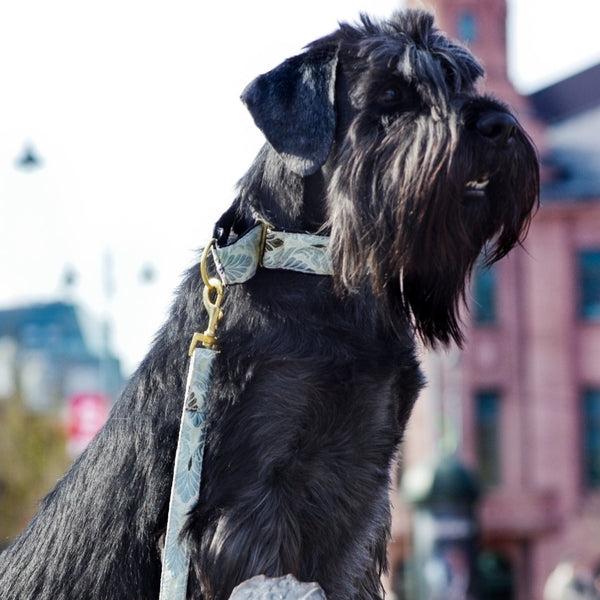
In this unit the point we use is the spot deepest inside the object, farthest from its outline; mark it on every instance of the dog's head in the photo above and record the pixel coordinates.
(423, 173)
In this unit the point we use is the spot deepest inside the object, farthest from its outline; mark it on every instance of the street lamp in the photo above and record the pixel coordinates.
(443, 495)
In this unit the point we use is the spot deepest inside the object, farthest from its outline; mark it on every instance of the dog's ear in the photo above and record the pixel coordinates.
(293, 105)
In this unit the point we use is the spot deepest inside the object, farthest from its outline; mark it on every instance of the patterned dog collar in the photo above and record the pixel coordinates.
(261, 246)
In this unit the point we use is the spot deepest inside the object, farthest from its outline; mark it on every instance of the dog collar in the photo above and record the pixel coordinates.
(262, 246)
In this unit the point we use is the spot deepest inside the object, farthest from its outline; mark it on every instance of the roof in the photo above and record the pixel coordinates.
(574, 176)
(46, 327)
(571, 109)
(568, 97)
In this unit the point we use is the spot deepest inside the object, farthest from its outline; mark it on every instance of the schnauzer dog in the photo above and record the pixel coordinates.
(378, 140)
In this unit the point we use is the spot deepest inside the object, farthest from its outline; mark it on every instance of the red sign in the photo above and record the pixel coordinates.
(86, 414)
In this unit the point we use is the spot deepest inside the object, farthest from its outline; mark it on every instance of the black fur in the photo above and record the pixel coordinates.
(374, 134)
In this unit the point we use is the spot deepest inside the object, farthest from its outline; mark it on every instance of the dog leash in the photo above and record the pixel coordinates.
(237, 262)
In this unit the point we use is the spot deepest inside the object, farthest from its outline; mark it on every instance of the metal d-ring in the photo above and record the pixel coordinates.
(266, 225)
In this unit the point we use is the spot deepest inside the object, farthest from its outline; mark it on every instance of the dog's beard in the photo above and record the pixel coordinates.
(413, 203)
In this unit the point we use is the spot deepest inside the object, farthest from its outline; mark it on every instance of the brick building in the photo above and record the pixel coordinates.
(521, 403)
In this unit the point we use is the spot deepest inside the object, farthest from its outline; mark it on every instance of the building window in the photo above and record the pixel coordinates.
(589, 284)
(467, 27)
(487, 436)
(484, 295)
(591, 439)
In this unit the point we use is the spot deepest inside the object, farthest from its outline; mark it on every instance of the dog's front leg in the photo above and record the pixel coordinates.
(257, 536)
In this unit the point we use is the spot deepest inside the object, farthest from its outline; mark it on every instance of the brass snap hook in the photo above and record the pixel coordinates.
(212, 297)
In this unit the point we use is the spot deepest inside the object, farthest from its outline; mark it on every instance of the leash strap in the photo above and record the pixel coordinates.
(185, 487)
(235, 263)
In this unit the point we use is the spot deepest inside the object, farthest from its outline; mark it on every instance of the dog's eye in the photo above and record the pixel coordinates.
(397, 98)
(389, 96)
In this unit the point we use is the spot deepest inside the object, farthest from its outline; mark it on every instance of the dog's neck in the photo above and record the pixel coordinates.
(302, 208)
(314, 213)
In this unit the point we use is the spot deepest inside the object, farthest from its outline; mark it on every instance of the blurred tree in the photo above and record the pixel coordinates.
(32, 458)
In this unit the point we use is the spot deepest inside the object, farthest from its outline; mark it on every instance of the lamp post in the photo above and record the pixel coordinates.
(443, 495)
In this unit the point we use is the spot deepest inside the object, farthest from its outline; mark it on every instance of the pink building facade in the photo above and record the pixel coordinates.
(520, 404)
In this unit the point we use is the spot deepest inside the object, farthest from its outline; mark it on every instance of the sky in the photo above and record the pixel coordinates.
(133, 109)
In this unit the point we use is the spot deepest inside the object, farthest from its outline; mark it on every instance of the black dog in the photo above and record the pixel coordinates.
(378, 138)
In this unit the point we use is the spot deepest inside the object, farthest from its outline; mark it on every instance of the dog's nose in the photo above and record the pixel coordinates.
(498, 127)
